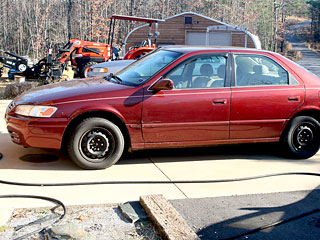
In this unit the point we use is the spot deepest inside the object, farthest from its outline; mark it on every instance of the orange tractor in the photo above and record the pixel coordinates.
(87, 56)
(146, 45)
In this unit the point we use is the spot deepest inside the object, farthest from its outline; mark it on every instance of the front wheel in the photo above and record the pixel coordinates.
(302, 137)
(96, 143)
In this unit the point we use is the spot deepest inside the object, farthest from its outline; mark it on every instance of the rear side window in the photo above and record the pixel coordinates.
(253, 70)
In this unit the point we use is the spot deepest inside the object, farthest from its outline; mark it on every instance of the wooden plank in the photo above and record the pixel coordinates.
(167, 220)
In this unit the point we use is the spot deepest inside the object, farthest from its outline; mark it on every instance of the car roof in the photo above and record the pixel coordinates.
(188, 49)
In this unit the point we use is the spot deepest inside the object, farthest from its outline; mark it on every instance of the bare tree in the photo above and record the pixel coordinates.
(27, 26)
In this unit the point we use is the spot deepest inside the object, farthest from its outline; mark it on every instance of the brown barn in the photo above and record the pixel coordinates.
(190, 28)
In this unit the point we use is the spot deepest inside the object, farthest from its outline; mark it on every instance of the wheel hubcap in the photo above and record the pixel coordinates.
(305, 135)
(96, 145)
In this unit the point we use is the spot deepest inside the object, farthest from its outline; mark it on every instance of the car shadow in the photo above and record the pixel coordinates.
(252, 151)
(17, 157)
(298, 220)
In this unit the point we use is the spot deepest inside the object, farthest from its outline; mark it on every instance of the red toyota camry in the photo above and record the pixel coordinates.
(174, 97)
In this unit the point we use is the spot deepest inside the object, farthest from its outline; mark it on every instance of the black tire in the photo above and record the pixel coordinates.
(302, 137)
(96, 143)
(84, 69)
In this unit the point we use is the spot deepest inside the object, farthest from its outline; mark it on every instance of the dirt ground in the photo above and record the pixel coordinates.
(95, 222)
(3, 83)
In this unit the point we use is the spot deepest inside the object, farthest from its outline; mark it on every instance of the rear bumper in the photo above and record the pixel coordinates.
(37, 132)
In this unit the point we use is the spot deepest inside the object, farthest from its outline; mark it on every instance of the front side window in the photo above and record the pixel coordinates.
(252, 70)
(202, 72)
(145, 68)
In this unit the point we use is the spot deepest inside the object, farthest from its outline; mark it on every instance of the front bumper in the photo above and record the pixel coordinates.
(36, 132)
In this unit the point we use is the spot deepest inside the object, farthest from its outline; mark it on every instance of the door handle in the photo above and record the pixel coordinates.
(220, 101)
(294, 99)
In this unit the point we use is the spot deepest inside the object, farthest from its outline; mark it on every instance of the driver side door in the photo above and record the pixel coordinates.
(196, 109)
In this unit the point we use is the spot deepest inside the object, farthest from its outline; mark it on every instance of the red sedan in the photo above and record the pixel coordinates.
(174, 97)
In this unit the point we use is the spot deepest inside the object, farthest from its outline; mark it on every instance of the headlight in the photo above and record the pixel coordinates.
(10, 107)
(35, 111)
(99, 70)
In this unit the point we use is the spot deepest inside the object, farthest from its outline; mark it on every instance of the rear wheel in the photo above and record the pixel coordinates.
(96, 143)
(302, 137)
(84, 69)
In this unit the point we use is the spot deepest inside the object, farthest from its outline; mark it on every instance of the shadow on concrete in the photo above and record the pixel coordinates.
(257, 151)
(301, 220)
(17, 157)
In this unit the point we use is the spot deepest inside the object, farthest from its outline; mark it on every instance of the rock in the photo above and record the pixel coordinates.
(68, 231)
(15, 89)
(133, 212)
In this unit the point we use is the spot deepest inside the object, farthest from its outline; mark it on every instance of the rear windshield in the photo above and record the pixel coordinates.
(142, 70)
(307, 70)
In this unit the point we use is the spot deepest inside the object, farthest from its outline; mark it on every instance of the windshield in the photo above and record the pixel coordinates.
(142, 70)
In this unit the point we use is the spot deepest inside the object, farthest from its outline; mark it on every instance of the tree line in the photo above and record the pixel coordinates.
(315, 19)
(29, 27)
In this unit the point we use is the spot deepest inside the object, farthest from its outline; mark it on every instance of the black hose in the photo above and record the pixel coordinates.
(154, 182)
(53, 200)
(1, 156)
(157, 182)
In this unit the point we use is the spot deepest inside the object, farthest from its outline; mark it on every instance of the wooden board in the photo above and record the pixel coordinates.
(166, 219)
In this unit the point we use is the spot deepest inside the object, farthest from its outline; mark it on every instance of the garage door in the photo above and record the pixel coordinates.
(196, 38)
(220, 38)
(215, 38)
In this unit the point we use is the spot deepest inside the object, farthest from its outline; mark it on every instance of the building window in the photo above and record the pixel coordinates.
(187, 20)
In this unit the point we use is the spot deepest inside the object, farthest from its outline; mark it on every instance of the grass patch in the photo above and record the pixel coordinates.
(3, 228)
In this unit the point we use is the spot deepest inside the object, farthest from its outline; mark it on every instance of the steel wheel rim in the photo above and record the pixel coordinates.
(96, 145)
(304, 137)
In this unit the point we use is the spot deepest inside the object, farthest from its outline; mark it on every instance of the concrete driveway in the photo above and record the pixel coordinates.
(34, 166)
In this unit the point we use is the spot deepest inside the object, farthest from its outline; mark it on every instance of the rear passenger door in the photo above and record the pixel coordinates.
(263, 95)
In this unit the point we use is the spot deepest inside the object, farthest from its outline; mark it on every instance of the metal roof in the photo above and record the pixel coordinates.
(137, 19)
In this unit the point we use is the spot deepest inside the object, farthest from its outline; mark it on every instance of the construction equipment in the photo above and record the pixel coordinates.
(13, 61)
(145, 46)
(81, 54)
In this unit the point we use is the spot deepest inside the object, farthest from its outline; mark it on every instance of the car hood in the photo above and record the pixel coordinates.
(70, 90)
(119, 63)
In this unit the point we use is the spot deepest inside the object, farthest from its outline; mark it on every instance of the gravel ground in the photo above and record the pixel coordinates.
(3, 83)
(93, 222)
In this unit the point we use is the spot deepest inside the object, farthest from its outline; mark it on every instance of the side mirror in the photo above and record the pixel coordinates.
(163, 84)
